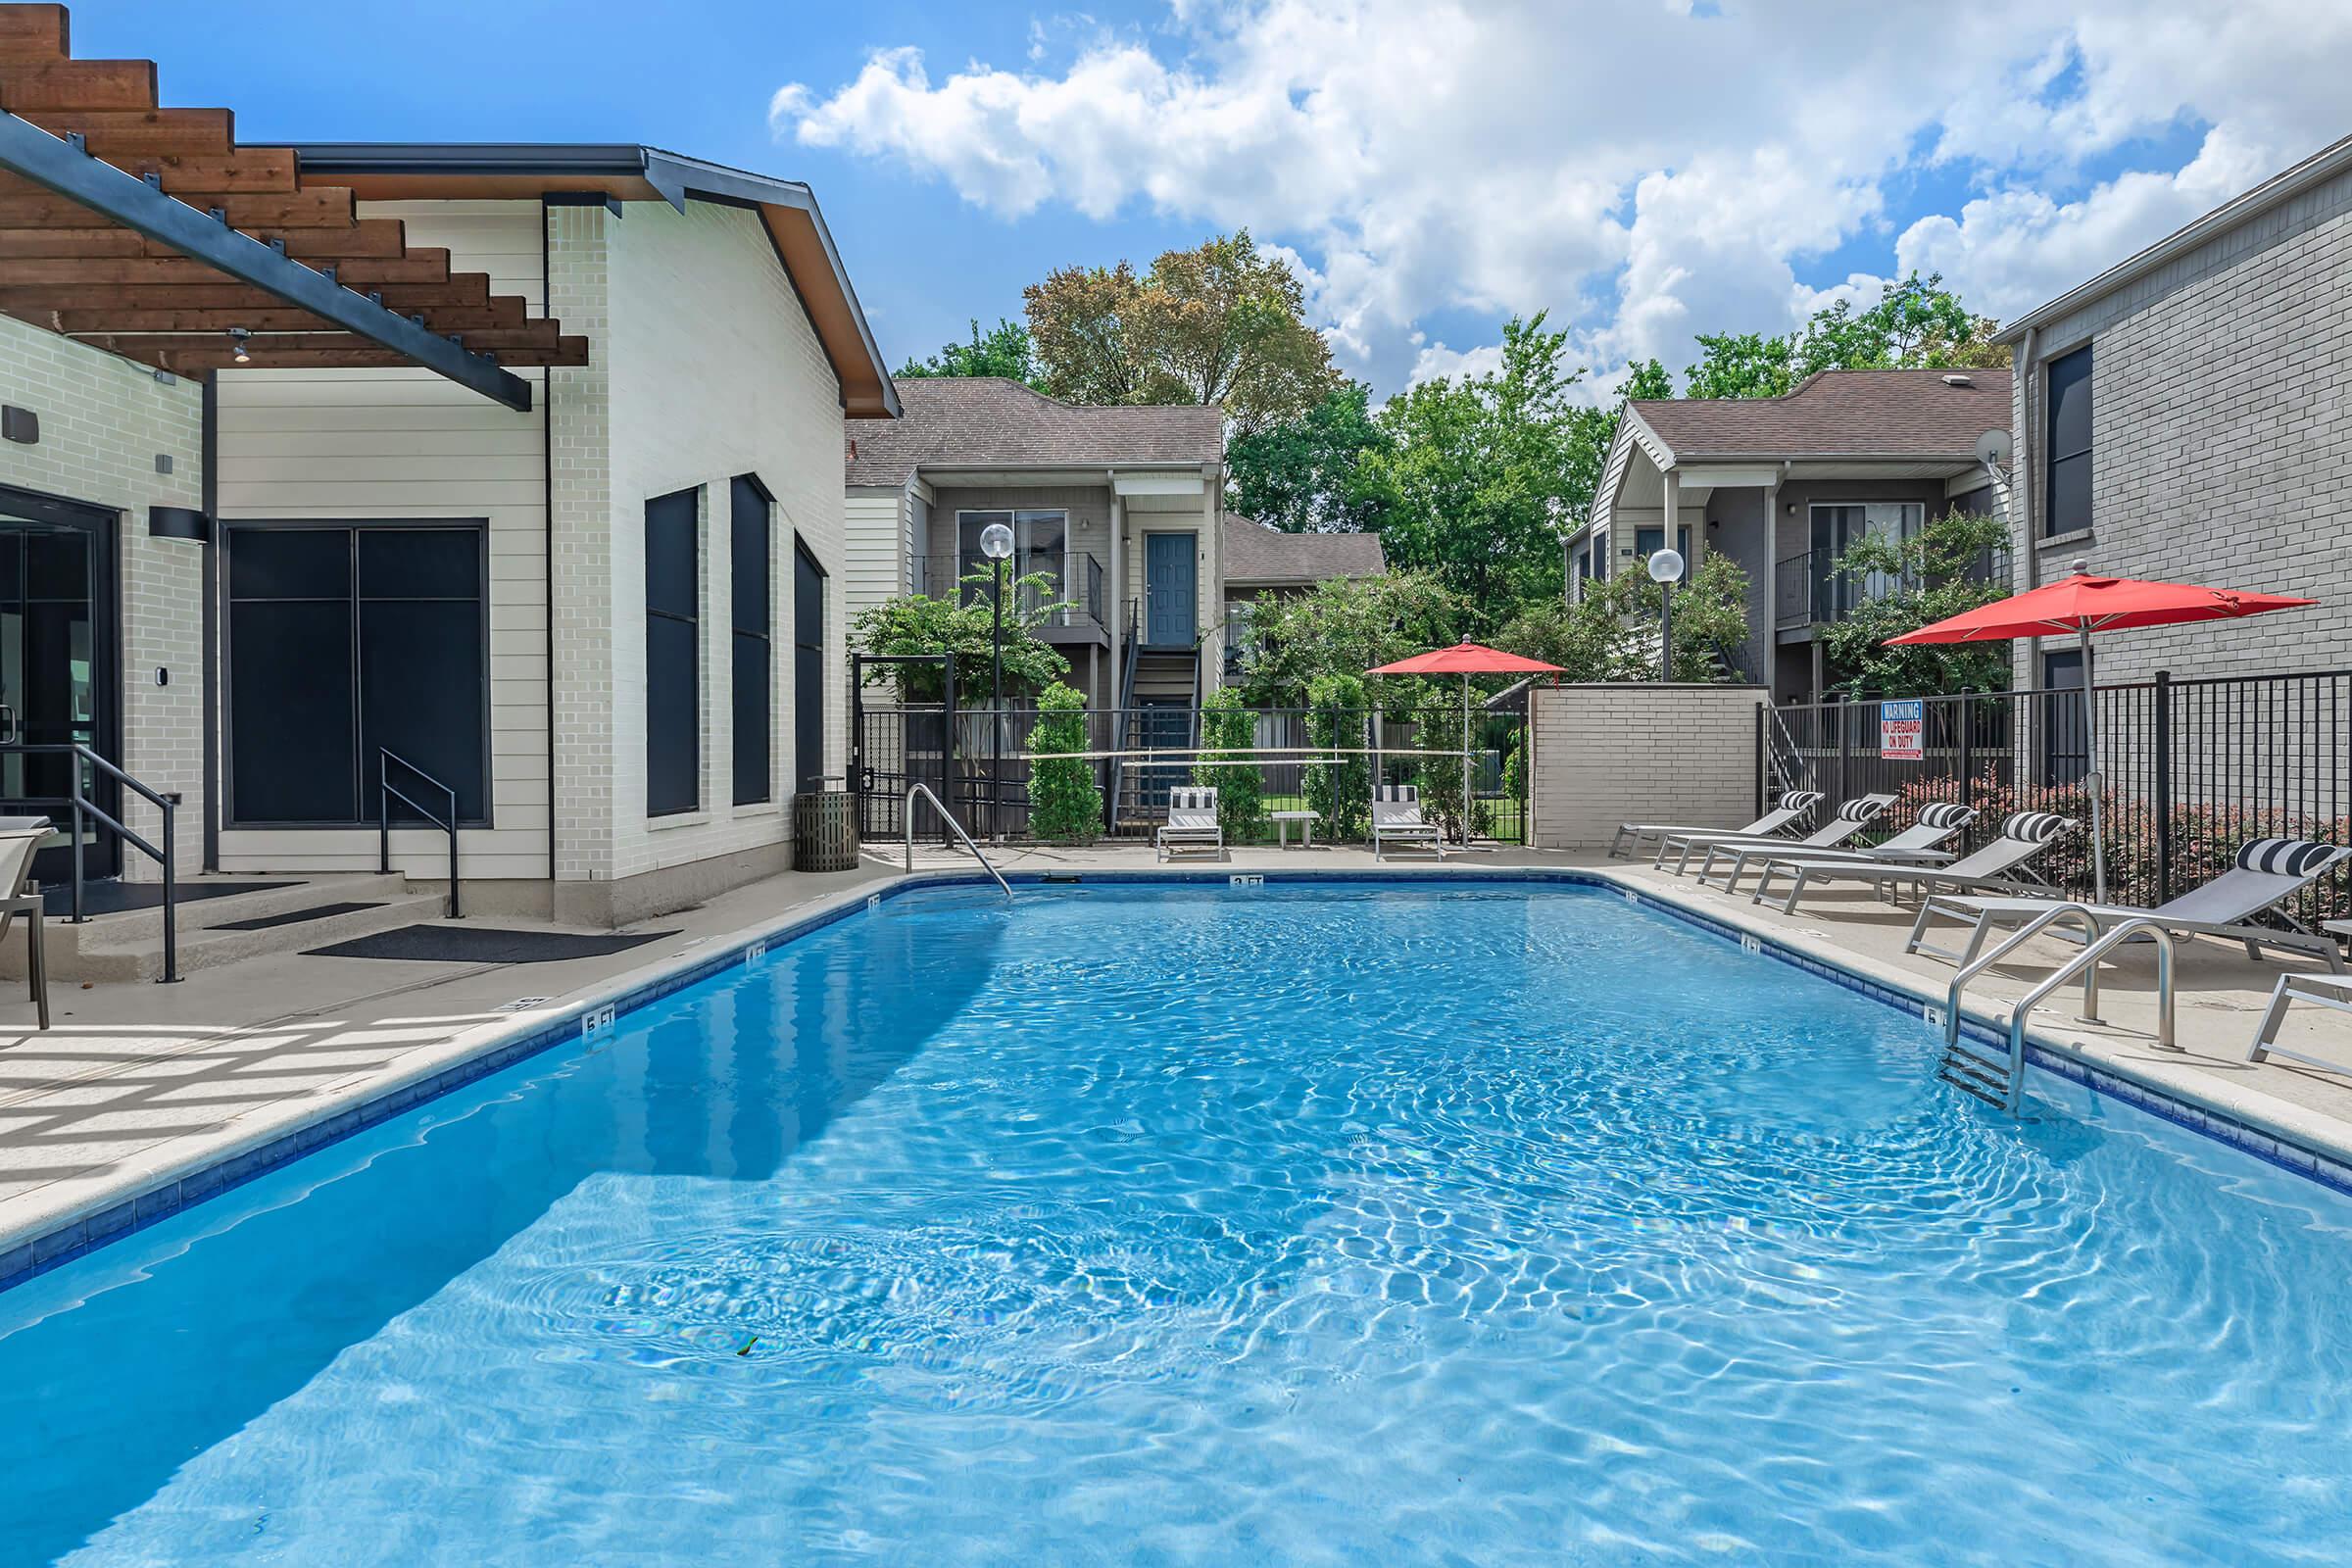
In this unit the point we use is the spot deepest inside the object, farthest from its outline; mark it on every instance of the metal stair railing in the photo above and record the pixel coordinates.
(85, 806)
(947, 817)
(386, 793)
(2001, 1080)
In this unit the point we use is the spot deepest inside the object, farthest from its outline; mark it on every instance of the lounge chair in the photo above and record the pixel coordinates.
(1192, 824)
(1397, 821)
(2328, 989)
(2001, 866)
(2268, 872)
(1920, 844)
(1782, 820)
(19, 895)
(1852, 819)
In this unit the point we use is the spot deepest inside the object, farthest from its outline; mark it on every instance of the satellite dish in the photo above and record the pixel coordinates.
(1992, 448)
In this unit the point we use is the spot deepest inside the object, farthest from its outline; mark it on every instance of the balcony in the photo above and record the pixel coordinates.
(1073, 602)
(1808, 591)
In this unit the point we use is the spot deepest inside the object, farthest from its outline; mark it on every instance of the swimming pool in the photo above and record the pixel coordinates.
(1192, 1224)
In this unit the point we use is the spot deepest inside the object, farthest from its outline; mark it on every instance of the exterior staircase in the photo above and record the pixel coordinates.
(286, 917)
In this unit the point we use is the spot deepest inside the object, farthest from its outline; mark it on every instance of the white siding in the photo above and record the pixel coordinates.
(876, 547)
(330, 444)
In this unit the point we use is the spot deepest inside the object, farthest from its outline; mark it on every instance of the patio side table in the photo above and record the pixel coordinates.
(1306, 821)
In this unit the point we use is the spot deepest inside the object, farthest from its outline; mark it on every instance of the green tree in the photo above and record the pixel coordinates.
(1916, 324)
(1646, 381)
(1003, 349)
(1340, 791)
(964, 627)
(1228, 734)
(1065, 806)
(1741, 364)
(1611, 633)
(1304, 474)
(1475, 488)
(1900, 585)
(1222, 322)
(1344, 626)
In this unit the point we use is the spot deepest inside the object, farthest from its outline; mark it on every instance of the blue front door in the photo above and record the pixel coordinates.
(1171, 614)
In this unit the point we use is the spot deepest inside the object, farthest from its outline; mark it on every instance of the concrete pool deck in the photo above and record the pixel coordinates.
(138, 1085)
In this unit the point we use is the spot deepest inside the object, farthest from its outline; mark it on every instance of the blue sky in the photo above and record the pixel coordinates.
(1644, 170)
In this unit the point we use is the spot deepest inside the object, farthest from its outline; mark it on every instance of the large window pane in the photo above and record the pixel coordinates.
(291, 710)
(420, 562)
(672, 575)
(809, 670)
(754, 751)
(2070, 495)
(290, 563)
(2070, 403)
(674, 660)
(751, 730)
(424, 696)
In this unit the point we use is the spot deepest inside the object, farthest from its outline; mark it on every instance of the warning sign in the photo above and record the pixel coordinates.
(1900, 728)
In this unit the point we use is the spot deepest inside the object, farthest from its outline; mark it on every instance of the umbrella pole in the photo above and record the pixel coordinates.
(1465, 761)
(2091, 730)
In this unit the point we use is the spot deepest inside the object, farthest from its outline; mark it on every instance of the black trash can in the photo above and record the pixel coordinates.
(825, 830)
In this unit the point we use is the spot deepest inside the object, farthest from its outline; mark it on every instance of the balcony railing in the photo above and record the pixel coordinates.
(1809, 591)
(1074, 599)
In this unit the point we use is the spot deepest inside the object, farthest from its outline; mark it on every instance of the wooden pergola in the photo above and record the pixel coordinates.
(149, 233)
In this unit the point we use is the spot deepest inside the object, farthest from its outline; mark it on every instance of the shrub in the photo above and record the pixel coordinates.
(1065, 806)
(1340, 792)
(1228, 731)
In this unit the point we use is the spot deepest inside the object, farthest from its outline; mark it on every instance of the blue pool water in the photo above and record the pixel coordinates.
(1350, 1225)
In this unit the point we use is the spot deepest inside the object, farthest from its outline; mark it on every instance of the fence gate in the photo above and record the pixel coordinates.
(904, 741)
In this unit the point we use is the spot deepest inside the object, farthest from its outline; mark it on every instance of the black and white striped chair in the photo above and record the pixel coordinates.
(1191, 825)
(1782, 820)
(1920, 844)
(1852, 819)
(2242, 905)
(1397, 821)
(2003, 865)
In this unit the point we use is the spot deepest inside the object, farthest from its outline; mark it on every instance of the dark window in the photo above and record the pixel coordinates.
(673, 662)
(344, 640)
(1647, 542)
(753, 600)
(807, 669)
(2069, 500)
(2065, 736)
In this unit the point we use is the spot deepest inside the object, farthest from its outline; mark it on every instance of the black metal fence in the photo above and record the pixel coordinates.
(977, 759)
(2192, 769)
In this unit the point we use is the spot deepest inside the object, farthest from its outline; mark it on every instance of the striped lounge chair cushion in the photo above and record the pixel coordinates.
(1398, 794)
(1192, 800)
(2036, 827)
(1801, 800)
(2287, 857)
(1943, 814)
(1861, 810)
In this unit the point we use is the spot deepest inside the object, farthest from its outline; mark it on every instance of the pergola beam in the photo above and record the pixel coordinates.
(61, 166)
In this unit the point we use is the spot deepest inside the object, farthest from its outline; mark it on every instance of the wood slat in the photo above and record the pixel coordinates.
(507, 312)
(418, 267)
(156, 132)
(32, 34)
(373, 236)
(48, 87)
(502, 340)
(569, 351)
(191, 178)
(322, 206)
(463, 291)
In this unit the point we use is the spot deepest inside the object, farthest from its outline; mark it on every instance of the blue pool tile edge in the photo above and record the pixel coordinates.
(40, 1253)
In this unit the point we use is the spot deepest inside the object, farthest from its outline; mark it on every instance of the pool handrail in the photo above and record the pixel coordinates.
(2085, 963)
(940, 807)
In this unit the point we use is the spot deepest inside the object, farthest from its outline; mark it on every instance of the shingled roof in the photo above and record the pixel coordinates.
(1256, 554)
(989, 421)
(1859, 414)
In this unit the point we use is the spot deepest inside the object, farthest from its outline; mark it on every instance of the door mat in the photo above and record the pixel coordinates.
(475, 944)
(317, 911)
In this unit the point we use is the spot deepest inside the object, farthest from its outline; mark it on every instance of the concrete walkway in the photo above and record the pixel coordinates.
(136, 1080)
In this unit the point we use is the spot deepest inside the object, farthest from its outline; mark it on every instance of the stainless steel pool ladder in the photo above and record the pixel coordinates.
(2000, 1079)
(940, 807)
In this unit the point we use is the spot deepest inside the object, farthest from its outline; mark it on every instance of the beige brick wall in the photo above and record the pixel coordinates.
(104, 421)
(1639, 753)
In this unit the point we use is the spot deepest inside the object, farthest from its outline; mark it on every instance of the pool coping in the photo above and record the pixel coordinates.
(147, 1190)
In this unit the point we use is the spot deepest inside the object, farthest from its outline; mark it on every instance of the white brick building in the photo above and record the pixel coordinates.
(601, 603)
(2188, 415)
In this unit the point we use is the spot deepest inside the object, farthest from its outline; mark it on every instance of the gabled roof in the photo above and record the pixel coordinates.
(626, 171)
(1259, 555)
(1843, 414)
(991, 422)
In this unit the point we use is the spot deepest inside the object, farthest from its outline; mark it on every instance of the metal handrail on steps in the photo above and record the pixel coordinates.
(386, 793)
(84, 807)
(2085, 963)
(939, 805)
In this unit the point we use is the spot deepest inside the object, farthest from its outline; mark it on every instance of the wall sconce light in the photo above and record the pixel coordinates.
(241, 343)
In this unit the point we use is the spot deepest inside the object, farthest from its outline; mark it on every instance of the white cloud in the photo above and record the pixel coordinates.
(1437, 360)
(1645, 172)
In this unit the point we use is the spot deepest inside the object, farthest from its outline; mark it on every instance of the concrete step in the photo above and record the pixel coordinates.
(129, 946)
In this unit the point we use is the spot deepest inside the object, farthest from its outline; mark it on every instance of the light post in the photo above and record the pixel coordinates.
(1665, 569)
(996, 543)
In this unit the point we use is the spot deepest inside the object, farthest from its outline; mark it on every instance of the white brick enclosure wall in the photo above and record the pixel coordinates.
(1639, 752)
(704, 366)
(2222, 434)
(103, 421)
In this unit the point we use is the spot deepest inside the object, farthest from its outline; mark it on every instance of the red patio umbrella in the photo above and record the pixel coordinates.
(1466, 659)
(2083, 603)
